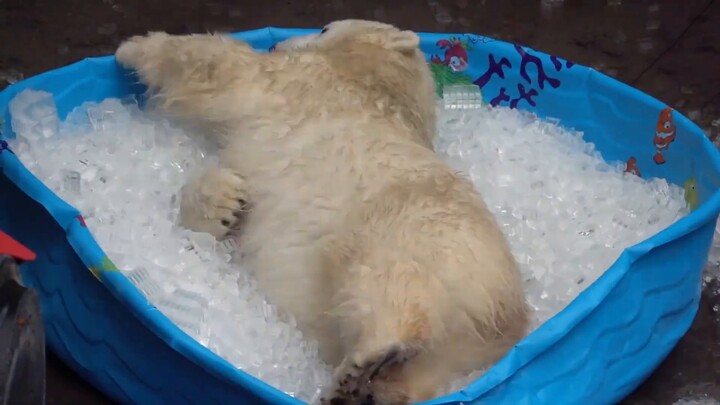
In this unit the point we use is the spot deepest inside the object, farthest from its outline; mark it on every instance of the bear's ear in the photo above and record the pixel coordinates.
(404, 41)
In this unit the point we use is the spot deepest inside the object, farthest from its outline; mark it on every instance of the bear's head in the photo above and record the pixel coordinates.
(383, 60)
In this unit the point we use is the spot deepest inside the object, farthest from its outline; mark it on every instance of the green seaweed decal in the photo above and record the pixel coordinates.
(95, 272)
(105, 265)
(445, 76)
(691, 194)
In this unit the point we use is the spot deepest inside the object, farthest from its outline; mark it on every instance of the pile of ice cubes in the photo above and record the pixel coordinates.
(122, 168)
(566, 213)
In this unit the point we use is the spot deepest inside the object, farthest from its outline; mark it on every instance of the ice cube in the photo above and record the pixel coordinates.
(229, 248)
(145, 283)
(187, 310)
(110, 112)
(462, 97)
(71, 181)
(33, 114)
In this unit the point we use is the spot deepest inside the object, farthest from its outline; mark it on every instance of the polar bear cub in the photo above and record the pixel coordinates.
(351, 223)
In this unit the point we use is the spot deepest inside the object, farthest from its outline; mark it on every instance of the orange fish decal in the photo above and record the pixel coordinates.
(664, 134)
(632, 167)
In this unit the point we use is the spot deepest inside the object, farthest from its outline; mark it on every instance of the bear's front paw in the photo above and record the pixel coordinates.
(214, 202)
(137, 51)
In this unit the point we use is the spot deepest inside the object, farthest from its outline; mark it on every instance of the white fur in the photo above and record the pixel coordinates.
(355, 226)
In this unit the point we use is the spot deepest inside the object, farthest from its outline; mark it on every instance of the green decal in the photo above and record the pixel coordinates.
(691, 194)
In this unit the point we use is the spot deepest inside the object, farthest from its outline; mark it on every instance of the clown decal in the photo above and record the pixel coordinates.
(664, 134)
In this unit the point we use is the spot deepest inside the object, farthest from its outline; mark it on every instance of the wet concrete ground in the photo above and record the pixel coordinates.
(669, 49)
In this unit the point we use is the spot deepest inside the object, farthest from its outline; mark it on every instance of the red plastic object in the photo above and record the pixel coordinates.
(13, 248)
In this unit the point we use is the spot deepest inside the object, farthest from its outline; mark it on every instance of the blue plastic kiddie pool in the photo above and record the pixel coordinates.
(596, 351)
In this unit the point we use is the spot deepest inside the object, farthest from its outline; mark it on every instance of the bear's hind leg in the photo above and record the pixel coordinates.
(387, 314)
(357, 378)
